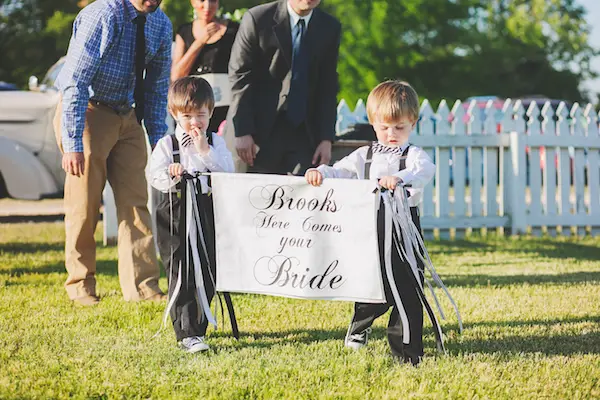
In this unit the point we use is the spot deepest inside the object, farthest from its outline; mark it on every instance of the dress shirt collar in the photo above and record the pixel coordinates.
(294, 17)
(130, 11)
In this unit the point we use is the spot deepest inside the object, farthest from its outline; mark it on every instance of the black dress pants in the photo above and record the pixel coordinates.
(288, 150)
(366, 313)
(185, 313)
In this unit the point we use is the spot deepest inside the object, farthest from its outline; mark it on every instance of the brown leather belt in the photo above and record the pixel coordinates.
(119, 110)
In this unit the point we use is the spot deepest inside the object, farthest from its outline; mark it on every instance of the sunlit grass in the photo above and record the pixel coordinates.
(531, 309)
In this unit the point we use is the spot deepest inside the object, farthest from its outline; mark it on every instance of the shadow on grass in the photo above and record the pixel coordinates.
(543, 247)
(525, 323)
(563, 344)
(30, 248)
(586, 343)
(284, 337)
(507, 280)
(103, 267)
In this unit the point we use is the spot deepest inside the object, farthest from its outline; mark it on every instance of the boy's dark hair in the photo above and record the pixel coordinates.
(190, 93)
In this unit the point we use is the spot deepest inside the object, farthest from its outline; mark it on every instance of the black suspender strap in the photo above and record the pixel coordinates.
(368, 162)
(402, 165)
(209, 138)
(176, 156)
(403, 159)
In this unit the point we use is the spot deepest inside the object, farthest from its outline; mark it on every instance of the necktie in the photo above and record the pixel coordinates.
(140, 61)
(297, 98)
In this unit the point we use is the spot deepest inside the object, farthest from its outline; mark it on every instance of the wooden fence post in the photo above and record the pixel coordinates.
(109, 217)
(519, 172)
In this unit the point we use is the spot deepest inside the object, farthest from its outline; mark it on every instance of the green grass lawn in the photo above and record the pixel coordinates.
(531, 310)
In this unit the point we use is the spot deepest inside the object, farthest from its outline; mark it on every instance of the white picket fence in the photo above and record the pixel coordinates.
(522, 170)
(506, 168)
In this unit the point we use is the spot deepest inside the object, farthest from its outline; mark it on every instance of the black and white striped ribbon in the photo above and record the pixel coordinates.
(186, 140)
(193, 231)
(383, 149)
(412, 246)
(400, 197)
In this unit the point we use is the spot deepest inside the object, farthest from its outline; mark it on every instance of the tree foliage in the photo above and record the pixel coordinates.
(445, 48)
(460, 48)
(33, 35)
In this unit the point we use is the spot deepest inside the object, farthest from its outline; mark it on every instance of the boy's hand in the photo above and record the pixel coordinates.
(175, 170)
(314, 177)
(389, 182)
(200, 141)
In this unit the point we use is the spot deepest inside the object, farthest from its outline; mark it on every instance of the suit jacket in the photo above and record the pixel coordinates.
(260, 72)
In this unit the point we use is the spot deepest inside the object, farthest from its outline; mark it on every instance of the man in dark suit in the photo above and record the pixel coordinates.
(284, 86)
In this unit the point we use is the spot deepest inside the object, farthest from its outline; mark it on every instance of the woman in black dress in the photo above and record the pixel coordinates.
(204, 46)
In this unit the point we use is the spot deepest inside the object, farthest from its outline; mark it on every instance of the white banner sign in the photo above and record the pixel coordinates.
(278, 235)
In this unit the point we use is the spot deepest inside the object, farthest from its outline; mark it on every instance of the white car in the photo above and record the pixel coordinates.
(30, 161)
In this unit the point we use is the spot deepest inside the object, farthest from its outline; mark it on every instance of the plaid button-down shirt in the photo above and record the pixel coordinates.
(100, 66)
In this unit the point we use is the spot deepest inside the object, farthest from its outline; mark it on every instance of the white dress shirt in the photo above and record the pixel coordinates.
(419, 169)
(294, 18)
(218, 159)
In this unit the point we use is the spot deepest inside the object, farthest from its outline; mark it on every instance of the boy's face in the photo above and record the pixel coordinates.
(393, 133)
(194, 122)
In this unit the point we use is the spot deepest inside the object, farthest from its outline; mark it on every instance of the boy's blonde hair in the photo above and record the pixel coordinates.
(391, 101)
(190, 93)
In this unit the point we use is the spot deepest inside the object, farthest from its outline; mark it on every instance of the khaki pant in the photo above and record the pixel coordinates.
(114, 147)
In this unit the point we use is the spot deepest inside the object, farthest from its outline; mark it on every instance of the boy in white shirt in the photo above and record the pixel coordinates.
(191, 149)
(393, 110)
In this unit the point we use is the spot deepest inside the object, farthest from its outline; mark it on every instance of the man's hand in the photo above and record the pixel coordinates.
(73, 163)
(323, 153)
(246, 149)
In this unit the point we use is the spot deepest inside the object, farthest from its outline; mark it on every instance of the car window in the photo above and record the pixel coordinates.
(53, 74)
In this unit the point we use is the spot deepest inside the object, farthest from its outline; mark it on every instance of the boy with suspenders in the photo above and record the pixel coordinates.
(190, 149)
(393, 110)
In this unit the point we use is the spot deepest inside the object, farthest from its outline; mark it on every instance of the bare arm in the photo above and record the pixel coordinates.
(183, 61)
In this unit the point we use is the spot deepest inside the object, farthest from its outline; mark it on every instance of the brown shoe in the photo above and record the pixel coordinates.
(87, 300)
(157, 297)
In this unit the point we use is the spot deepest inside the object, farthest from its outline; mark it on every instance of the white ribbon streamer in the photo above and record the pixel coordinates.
(198, 219)
(177, 289)
(192, 237)
(389, 271)
(401, 201)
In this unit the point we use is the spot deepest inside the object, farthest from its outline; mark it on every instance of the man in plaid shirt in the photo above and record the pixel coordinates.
(99, 132)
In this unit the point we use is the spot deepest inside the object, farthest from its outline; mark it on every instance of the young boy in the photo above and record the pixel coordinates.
(191, 149)
(393, 110)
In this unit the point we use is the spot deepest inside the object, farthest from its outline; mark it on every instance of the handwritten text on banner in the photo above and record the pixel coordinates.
(278, 235)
